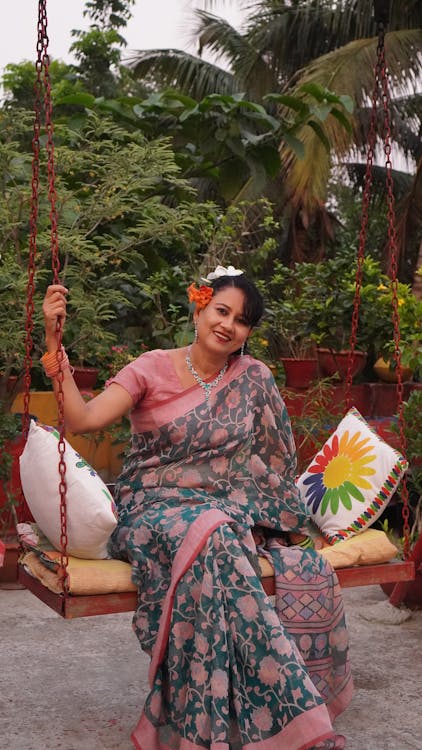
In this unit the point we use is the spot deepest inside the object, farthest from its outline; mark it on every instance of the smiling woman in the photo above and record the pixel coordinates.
(207, 486)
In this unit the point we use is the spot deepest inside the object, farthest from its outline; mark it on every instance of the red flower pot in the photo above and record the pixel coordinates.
(334, 363)
(300, 373)
(85, 377)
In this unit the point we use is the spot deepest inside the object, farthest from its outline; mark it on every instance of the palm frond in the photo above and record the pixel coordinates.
(409, 224)
(402, 181)
(173, 68)
(339, 22)
(250, 69)
(218, 36)
(348, 70)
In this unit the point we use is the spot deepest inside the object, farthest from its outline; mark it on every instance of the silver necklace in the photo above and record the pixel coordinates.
(206, 386)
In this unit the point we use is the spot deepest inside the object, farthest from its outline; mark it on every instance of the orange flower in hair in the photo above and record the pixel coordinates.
(200, 296)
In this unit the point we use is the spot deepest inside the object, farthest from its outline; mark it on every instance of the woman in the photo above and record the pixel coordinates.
(211, 472)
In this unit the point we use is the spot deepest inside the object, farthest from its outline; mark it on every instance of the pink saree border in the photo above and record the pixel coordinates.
(197, 535)
(158, 413)
(302, 733)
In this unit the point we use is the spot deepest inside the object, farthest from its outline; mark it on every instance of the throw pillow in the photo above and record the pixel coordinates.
(351, 479)
(91, 513)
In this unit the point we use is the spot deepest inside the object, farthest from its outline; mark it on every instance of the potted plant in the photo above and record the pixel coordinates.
(385, 393)
(289, 322)
(334, 291)
(87, 334)
(410, 330)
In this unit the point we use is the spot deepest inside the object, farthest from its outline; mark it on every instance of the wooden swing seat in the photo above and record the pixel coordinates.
(71, 606)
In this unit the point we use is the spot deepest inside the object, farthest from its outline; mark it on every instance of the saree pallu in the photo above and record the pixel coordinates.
(229, 670)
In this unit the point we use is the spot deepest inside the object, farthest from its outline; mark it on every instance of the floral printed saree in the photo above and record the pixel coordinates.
(230, 669)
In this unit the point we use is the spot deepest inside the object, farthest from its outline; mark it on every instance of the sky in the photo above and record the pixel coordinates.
(160, 23)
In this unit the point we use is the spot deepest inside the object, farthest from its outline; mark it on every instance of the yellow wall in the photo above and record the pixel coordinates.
(96, 448)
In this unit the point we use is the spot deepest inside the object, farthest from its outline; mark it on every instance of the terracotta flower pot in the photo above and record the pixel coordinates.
(9, 569)
(85, 377)
(300, 373)
(388, 374)
(334, 363)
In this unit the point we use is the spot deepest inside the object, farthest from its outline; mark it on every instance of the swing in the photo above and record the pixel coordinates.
(69, 605)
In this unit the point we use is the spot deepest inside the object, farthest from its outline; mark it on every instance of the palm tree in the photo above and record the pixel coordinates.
(285, 44)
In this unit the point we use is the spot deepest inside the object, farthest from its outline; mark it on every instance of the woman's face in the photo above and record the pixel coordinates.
(221, 325)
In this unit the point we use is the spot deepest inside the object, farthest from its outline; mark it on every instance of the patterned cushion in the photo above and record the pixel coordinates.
(91, 514)
(351, 479)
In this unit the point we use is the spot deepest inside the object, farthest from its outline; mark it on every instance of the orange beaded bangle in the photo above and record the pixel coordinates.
(52, 365)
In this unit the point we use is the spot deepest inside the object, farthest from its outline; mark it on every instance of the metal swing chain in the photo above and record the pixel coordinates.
(42, 84)
(381, 91)
(33, 225)
(392, 247)
(364, 222)
(55, 261)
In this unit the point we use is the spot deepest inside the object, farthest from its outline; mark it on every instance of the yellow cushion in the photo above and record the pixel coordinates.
(85, 576)
(367, 548)
(114, 576)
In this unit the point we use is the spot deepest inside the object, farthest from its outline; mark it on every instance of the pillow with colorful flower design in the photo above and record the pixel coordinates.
(351, 479)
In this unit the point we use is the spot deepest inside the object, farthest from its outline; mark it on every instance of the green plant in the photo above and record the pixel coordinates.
(10, 429)
(311, 304)
(259, 347)
(289, 310)
(412, 418)
(331, 286)
(15, 191)
(410, 326)
(87, 335)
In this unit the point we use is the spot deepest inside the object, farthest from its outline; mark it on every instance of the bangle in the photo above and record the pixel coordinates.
(53, 365)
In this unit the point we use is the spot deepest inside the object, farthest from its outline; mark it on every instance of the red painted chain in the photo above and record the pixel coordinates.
(364, 222)
(392, 250)
(381, 92)
(43, 95)
(55, 262)
(33, 222)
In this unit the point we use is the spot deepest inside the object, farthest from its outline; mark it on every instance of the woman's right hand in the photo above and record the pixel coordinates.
(54, 309)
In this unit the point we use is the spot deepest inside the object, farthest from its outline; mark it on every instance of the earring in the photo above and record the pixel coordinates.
(242, 349)
(196, 332)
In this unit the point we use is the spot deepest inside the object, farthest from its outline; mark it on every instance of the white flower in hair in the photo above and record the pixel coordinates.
(222, 271)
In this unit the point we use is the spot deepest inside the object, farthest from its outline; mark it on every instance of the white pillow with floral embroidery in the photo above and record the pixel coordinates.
(91, 513)
(351, 479)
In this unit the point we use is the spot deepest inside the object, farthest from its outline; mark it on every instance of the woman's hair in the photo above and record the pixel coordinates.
(253, 308)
